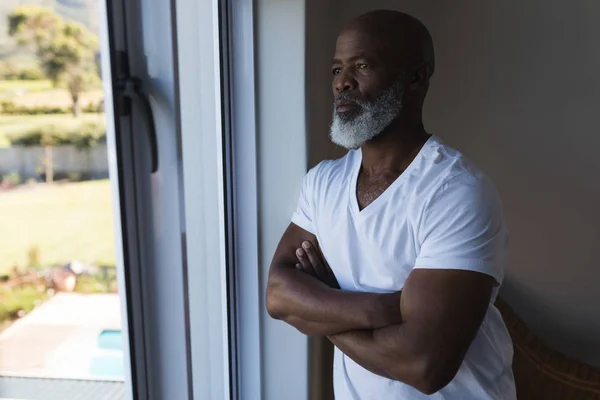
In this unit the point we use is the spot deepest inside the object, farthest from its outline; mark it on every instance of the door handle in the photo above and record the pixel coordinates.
(131, 88)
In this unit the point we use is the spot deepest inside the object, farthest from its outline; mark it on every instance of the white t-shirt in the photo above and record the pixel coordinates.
(441, 213)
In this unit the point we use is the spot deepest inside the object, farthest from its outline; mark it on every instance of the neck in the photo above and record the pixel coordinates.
(394, 149)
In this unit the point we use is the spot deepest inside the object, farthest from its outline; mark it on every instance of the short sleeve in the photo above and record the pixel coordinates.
(305, 212)
(462, 227)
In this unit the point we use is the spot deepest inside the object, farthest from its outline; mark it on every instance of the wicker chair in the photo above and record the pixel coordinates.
(542, 373)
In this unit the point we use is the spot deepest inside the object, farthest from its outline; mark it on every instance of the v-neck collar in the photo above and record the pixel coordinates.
(382, 199)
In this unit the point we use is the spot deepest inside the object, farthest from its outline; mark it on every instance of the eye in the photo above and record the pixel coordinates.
(336, 71)
(362, 66)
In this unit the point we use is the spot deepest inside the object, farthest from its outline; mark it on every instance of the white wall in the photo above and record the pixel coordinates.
(516, 89)
(29, 161)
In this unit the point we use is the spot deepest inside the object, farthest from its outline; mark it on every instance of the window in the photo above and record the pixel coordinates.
(61, 288)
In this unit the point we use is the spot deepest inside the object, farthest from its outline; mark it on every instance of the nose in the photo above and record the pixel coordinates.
(344, 82)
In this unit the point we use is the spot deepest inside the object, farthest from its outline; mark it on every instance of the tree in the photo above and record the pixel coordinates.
(66, 50)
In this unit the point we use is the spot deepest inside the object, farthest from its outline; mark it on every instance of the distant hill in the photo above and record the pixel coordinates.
(83, 11)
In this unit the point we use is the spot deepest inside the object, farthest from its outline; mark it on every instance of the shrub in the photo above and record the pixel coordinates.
(31, 74)
(75, 176)
(10, 108)
(86, 136)
(10, 72)
(98, 283)
(96, 108)
(31, 138)
(12, 179)
(19, 299)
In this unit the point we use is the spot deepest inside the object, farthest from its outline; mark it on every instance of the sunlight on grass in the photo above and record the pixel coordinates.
(17, 86)
(70, 221)
(38, 93)
(57, 98)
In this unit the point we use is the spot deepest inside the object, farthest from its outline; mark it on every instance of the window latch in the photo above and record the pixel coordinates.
(130, 92)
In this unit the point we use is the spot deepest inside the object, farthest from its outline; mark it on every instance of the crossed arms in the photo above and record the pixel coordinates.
(419, 336)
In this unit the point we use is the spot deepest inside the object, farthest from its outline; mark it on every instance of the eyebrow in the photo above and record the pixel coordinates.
(351, 59)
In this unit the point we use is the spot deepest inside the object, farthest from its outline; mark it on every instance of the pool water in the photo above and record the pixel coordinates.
(108, 358)
(110, 340)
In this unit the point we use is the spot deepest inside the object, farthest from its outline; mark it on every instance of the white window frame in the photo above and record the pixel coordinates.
(200, 329)
(243, 175)
(112, 37)
(171, 224)
(198, 40)
(266, 57)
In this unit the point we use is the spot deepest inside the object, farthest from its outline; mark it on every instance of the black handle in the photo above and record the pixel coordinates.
(130, 91)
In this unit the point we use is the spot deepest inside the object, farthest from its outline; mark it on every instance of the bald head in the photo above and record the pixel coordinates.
(403, 39)
(390, 45)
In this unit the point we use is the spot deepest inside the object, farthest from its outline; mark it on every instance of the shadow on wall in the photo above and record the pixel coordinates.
(320, 45)
(518, 97)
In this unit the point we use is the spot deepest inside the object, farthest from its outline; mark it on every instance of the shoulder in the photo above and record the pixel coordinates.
(447, 169)
(449, 180)
(331, 171)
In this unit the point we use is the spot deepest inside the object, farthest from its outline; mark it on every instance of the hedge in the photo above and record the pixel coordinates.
(85, 136)
(10, 74)
(10, 108)
(19, 299)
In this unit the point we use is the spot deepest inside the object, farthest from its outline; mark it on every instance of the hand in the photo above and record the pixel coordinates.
(312, 262)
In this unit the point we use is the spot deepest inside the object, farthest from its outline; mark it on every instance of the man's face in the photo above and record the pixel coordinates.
(368, 97)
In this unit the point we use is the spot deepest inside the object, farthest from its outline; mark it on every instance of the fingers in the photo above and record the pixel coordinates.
(316, 261)
(330, 279)
(304, 263)
(311, 261)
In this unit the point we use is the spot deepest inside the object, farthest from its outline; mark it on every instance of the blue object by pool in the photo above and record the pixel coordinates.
(110, 340)
(108, 362)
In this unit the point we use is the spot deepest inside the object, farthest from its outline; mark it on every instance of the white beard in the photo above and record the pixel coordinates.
(354, 130)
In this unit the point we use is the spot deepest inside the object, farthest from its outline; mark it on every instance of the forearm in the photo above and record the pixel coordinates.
(316, 309)
(442, 313)
(353, 344)
(390, 352)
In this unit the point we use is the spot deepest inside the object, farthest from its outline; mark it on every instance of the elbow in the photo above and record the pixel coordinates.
(274, 305)
(278, 309)
(429, 375)
(430, 386)
(433, 375)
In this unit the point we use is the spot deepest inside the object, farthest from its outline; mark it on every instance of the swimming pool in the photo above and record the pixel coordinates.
(107, 361)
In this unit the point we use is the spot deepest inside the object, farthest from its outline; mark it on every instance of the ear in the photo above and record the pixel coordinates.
(421, 75)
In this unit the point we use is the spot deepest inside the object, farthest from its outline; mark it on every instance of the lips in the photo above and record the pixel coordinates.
(344, 105)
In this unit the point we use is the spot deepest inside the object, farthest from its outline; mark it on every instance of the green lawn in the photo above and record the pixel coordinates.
(70, 221)
(42, 92)
(15, 124)
(16, 86)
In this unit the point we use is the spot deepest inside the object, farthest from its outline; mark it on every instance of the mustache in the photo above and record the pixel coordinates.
(349, 97)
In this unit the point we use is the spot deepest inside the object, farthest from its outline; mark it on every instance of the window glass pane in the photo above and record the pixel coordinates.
(60, 322)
